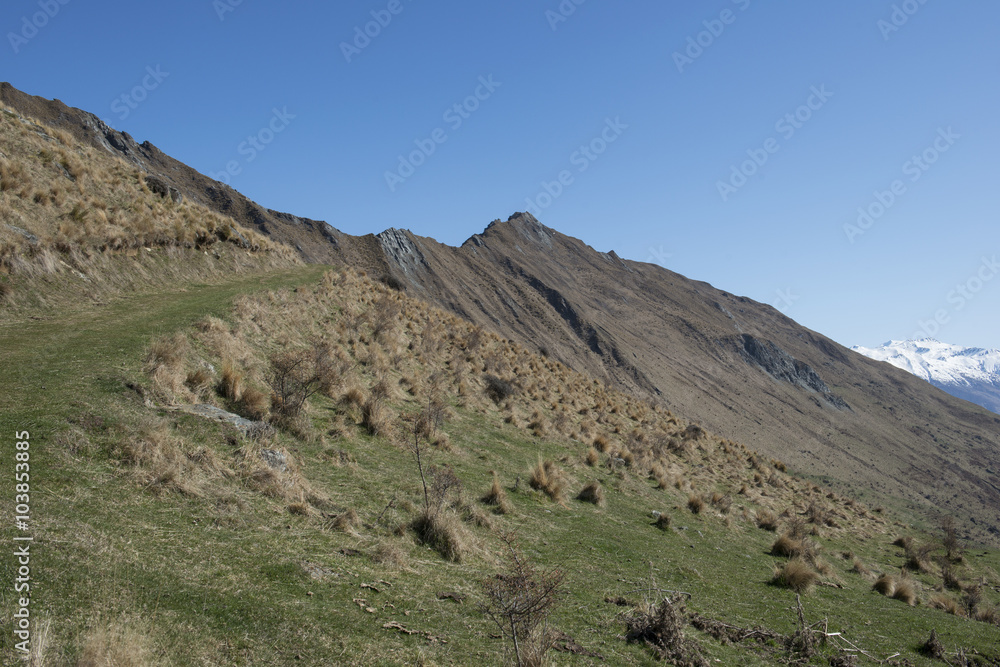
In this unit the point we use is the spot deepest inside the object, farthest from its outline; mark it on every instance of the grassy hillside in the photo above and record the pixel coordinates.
(389, 461)
(168, 536)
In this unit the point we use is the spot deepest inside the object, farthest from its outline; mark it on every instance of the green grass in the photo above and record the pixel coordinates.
(224, 579)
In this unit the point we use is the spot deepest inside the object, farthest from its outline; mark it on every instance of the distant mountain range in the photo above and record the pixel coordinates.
(971, 373)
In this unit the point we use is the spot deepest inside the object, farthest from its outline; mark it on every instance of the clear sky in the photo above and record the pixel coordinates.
(731, 141)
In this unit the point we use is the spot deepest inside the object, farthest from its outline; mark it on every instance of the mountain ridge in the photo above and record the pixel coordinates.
(655, 333)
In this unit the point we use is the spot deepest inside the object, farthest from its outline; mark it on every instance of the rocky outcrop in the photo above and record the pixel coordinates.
(781, 366)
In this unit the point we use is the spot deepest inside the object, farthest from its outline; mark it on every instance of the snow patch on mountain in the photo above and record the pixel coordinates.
(967, 372)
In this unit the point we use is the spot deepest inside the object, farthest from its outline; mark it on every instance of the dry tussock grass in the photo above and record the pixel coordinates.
(80, 202)
(548, 478)
(121, 643)
(797, 575)
(496, 497)
(443, 531)
(592, 493)
(160, 461)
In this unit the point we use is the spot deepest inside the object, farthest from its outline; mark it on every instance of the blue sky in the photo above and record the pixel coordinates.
(732, 141)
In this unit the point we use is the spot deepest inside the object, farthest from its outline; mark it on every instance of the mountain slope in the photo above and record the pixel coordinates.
(740, 367)
(969, 373)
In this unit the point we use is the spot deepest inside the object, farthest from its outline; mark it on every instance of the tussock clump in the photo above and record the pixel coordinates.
(165, 365)
(601, 443)
(797, 575)
(695, 503)
(860, 568)
(200, 382)
(661, 627)
(663, 521)
(767, 520)
(443, 532)
(906, 591)
(592, 493)
(254, 404)
(345, 522)
(918, 557)
(375, 417)
(496, 498)
(547, 478)
(231, 381)
(593, 458)
(946, 603)
(159, 461)
(787, 546)
(390, 554)
(886, 585)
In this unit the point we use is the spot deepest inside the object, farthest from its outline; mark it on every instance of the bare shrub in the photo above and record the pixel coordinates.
(949, 538)
(498, 390)
(519, 600)
(295, 375)
(661, 627)
(797, 575)
(592, 493)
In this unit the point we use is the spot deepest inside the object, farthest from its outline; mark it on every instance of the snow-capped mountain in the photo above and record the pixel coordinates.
(966, 372)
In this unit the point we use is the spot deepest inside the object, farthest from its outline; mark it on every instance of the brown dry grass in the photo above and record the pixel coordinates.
(496, 497)
(547, 478)
(592, 493)
(78, 202)
(797, 575)
(121, 643)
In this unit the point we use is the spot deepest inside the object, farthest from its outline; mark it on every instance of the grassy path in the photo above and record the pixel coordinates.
(49, 361)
